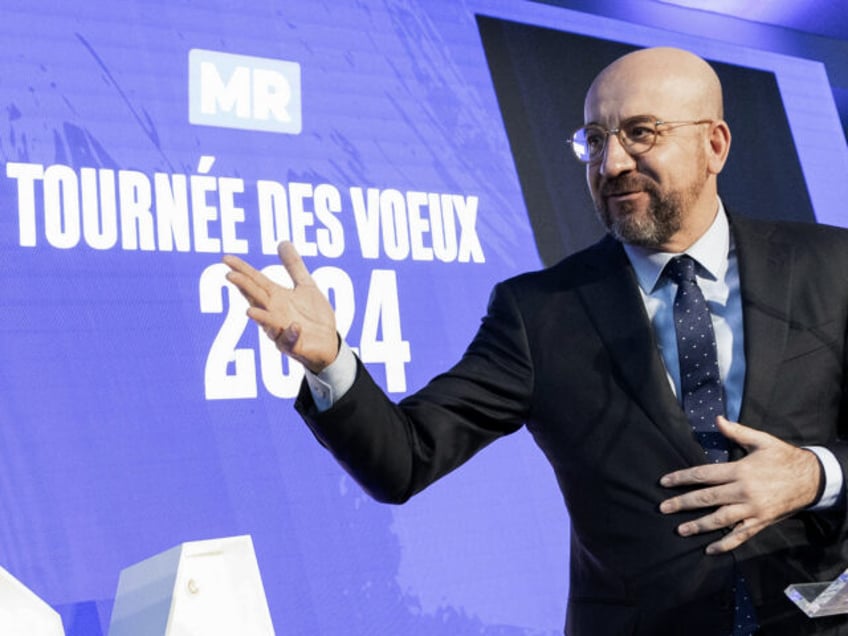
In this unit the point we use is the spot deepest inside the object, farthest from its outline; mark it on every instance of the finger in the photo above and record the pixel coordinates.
(264, 319)
(293, 263)
(710, 497)
(272, 332)
(243, 268)
(722, 518)
(741, 532)
(705, 474)
(237, 264)
(255, 295)
(285, 339)
(746, 437)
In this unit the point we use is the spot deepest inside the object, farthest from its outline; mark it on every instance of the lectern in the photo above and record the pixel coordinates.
(22, 613)
(200, 588)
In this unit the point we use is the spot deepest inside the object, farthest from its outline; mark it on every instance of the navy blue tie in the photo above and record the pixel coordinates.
(702, 394)
(700, 383)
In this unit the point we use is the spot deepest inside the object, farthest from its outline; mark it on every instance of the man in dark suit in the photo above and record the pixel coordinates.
(588, 355)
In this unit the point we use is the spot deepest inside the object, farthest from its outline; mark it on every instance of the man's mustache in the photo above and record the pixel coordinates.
(627, 183)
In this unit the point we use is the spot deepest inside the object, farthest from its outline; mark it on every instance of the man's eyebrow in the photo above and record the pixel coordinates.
(645, 116)
(640, 116)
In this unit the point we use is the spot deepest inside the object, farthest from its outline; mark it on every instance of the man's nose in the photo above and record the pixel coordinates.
(615, 159)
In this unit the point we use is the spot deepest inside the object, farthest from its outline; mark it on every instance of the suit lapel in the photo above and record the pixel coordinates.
(611, 297)
(765, 276)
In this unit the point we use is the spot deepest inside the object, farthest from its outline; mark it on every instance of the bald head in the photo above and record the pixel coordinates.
(669, 83)
(661, 194)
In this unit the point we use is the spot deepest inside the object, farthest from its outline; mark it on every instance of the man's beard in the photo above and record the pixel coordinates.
(662, 218)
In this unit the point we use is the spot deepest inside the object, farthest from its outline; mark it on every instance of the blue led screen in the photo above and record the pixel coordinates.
(139, 409)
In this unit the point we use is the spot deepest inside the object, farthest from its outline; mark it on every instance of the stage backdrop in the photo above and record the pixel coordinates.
(414, 151)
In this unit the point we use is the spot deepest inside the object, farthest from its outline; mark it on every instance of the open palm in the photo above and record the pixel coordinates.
(300, 321)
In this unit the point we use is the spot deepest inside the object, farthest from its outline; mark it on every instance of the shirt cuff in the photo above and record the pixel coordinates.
(334, 381)
(832, 476)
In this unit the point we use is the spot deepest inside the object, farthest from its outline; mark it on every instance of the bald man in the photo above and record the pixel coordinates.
(585, 354)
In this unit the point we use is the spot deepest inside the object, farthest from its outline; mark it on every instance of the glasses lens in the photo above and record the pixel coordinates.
(639, 135)
(588, 143)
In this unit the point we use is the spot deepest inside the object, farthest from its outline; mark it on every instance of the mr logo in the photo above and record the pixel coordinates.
(240, 91)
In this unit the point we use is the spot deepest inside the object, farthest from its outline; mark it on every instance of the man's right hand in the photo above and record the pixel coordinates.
(300, 321)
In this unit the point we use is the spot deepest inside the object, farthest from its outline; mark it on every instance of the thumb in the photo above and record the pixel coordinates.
(747, 438)
(293, 263)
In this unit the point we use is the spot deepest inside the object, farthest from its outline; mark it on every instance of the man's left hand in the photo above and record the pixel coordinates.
(774, 480)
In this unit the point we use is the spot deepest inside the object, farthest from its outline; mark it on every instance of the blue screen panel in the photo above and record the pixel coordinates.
(142, 140)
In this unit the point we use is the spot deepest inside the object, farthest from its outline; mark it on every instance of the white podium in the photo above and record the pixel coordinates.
(200, 588)
(22, 613)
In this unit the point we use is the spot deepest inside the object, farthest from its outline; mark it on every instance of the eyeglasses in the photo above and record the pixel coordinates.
(637, 135)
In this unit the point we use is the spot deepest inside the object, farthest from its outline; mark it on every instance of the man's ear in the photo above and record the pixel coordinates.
(718, 141)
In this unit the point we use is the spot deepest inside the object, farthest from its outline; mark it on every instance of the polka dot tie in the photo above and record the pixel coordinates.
(700, 383)
(702, 394)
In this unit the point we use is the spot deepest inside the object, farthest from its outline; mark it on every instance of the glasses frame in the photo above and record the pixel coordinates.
(618, 132)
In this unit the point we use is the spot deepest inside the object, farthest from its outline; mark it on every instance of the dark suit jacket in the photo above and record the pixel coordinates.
(569, 352)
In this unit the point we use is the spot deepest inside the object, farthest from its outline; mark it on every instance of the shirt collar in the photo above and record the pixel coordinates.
(710, 252)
